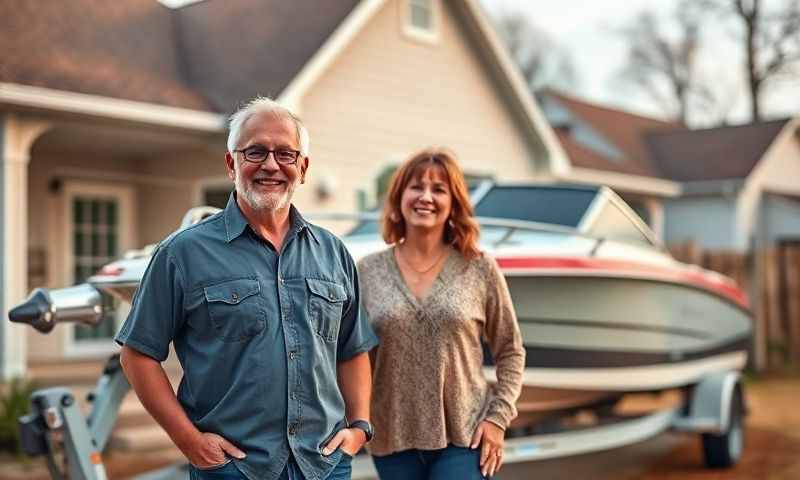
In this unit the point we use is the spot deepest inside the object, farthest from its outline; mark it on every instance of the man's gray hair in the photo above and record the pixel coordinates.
(268, 105)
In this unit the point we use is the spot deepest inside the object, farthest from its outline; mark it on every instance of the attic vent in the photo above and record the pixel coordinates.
(420, 19)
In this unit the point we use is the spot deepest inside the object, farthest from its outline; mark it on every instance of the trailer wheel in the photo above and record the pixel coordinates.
(724, 450)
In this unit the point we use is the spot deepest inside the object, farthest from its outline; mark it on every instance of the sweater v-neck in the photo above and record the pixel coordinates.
(432, 291)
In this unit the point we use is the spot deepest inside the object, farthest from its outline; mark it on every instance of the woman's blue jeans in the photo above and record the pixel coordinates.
(445, 464)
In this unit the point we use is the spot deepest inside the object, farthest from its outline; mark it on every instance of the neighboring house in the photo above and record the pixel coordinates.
(729, 188)
(112, 121)
(740, 184)
(609, 146)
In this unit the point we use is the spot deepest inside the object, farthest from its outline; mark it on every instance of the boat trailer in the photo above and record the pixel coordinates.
(72, 443)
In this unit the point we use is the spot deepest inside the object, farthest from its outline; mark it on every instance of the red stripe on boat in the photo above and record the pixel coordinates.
(697, 279)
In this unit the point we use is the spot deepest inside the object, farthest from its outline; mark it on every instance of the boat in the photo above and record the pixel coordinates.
(603, 308)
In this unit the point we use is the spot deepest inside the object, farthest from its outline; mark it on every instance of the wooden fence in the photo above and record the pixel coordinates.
(771, 277)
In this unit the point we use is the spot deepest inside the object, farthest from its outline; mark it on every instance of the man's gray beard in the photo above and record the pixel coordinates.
(269, 202)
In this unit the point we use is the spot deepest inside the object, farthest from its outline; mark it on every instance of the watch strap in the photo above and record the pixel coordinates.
(364, 426)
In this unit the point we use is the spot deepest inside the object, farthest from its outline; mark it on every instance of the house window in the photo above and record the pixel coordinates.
(421, 14)
(95, 242)
(420, 19)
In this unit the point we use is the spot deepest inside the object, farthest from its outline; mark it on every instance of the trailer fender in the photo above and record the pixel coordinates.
(711, 403)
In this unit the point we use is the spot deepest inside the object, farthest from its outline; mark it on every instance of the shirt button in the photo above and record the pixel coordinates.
(294, 395)
(292, 354)
(292, 429)
(235, 296)
(280, 279)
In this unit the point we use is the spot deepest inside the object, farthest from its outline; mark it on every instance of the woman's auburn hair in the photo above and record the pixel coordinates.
(461, 229)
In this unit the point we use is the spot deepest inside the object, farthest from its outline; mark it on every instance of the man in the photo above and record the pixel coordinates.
(263, 311)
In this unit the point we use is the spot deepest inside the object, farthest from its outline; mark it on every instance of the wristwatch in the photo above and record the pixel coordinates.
(364, 426)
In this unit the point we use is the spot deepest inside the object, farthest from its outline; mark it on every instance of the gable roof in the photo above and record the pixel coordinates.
(122, 49)
(655, 148)
(140, 50)
(625, 131)
(715, 153)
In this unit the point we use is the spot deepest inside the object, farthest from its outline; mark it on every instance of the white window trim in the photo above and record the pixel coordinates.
(124, 195)
(419, 34)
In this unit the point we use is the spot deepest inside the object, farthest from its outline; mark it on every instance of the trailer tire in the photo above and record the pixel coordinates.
(724, 450)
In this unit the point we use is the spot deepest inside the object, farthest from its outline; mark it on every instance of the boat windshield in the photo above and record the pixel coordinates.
(563, 206)
(558, 205)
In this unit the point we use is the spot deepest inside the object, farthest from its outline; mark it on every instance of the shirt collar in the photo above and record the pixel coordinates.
(235, 223)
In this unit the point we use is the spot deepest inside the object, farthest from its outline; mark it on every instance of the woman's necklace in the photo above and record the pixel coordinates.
(425, 270)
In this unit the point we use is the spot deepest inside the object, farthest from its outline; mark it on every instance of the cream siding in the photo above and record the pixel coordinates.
(388, 95)
(778, 171)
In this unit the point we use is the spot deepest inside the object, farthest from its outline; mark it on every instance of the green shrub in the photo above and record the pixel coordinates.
(14, 402)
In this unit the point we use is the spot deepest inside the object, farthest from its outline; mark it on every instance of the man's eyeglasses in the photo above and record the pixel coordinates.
(259, 154)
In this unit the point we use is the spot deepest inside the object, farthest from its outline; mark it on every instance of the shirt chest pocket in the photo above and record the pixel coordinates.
(235, 309)
(325, 304)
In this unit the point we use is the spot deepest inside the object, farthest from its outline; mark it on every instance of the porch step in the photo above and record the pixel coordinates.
(65, 373)
(80, 372)
(140, 438)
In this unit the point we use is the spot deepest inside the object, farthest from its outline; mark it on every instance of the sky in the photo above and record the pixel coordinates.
(586, 30)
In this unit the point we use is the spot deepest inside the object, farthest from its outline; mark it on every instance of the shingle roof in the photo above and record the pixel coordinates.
(715, 153)
(236, 49)
(626, 131)
(204, 56)
(121, 49)
(667, 150)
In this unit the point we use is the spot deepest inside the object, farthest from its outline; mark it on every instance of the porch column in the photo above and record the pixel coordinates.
(17, 134)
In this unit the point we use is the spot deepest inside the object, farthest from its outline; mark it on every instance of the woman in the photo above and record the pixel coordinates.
(432, 297)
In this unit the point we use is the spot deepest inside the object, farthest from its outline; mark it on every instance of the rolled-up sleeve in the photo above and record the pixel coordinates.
(355, 333)
(157, 310)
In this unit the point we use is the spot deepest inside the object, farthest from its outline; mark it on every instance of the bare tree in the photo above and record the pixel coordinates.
(539, 58)
(770, 40)
(664, 63)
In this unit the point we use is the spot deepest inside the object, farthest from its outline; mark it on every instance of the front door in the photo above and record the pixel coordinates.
(98, 232)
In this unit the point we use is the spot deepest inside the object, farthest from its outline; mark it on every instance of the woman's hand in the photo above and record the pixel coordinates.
(490, 437)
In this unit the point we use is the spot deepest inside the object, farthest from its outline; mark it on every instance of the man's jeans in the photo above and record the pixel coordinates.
(444, 464)
(341, 471)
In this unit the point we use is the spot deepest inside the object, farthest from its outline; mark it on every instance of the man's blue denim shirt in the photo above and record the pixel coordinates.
(258, 335)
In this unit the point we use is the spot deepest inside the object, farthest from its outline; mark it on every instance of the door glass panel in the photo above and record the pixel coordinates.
(95, 234)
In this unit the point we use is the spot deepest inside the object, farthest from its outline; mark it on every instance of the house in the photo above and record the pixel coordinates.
(740, 184)
(609, 146)
(726, 188)
(112, 121)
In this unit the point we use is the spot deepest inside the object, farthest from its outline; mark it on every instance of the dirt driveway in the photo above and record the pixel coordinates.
(772, 451)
